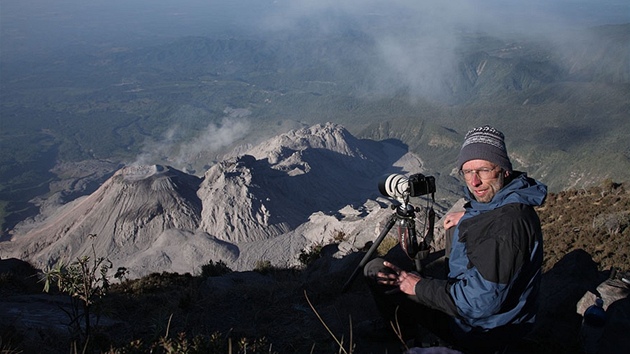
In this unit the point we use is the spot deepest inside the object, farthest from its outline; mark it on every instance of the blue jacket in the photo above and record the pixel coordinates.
(495, 261)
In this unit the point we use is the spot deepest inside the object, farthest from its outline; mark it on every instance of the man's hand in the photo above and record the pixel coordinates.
(451, 219)
(405, 281)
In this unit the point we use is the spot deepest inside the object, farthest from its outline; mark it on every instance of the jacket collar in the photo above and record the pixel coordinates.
(520, 189)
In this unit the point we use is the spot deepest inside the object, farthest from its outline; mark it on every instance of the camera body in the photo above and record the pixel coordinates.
(401, 187)
(420, 184)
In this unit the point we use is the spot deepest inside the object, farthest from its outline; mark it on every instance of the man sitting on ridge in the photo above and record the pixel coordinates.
(495, 258)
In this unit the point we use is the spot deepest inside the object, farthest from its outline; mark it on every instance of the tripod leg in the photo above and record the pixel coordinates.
(370, 252)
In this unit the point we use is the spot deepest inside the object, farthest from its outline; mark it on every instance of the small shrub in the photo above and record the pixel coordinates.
(86, 281)
(608, 186)
(121, 274)
(18, 277)
(213, 269)
(339, 236)
(612, 223)
(307, 257)
(158, 282)
(215, 343)
(388, 243)
(263, 267)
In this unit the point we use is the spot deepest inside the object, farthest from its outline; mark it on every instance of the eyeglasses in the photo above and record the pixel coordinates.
(483, 173)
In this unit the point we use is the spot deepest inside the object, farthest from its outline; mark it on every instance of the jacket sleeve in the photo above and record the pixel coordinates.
(435, 294)
(475, 297)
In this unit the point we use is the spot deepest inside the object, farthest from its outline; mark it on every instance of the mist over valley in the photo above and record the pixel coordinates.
(193, 84)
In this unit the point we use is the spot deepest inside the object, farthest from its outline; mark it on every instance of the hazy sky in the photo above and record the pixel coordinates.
(416, 40)
(37, 25)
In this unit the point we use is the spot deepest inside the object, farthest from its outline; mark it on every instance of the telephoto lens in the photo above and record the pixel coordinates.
(395, 186)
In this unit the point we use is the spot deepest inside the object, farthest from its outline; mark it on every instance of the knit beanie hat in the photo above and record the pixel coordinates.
(485, 143)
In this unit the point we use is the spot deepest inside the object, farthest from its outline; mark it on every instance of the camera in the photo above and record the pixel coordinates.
(420, 184)
(401, 187)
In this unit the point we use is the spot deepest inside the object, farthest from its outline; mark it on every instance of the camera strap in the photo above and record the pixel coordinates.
(428, 236)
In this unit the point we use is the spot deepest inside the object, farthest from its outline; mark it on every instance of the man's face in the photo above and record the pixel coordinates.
(483, 179)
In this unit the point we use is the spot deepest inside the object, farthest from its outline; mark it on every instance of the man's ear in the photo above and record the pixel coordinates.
(506, 174)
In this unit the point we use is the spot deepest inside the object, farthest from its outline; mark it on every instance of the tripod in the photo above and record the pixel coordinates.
(404, 216)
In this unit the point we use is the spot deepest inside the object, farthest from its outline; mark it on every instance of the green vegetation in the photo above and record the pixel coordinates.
(307, 257)
(215, 269)
(263, 266)
(86, 281)
(314, 252)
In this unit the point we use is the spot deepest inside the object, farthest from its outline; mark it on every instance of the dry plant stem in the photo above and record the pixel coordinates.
(85, 346)
(397, 330)
(74, 347)
(168, 326)
(350, 324)
(339, 343)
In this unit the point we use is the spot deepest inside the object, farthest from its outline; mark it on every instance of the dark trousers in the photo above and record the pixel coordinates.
(401, 309)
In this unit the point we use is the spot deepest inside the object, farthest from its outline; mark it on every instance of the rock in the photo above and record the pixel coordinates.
(268, 203)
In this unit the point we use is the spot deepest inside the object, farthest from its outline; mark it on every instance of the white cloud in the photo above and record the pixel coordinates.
(181, 152)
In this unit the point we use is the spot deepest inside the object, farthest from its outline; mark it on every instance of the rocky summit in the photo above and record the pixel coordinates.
(268, 203)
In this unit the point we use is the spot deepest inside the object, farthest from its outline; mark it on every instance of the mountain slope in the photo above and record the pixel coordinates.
(288, 178)
(156, 218)
(124, 215)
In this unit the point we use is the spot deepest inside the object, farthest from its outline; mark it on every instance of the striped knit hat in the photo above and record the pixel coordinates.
(485, 143)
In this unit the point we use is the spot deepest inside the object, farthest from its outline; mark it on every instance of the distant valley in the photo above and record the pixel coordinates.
(564, 106)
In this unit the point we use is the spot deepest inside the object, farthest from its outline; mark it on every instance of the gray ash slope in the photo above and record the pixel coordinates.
(266, 204)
